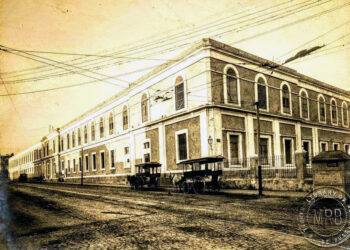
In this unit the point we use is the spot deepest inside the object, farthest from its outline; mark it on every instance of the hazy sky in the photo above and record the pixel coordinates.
(106, 26)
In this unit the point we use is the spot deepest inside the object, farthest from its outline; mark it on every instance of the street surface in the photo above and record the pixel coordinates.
(56, 216)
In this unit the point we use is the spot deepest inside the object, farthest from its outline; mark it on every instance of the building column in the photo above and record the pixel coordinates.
(250, 140)
(298, 143)
(204, 133)
(162, 149)
(216, 126)
(315, 142)
(132, 152)
(277, 142)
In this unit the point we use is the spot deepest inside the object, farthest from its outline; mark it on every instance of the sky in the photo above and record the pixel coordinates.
(159, 29)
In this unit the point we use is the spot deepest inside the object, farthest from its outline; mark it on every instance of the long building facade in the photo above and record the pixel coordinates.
(198, 104)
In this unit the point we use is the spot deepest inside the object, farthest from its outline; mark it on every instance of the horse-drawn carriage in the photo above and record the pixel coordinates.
(147, 174)
(201, 174)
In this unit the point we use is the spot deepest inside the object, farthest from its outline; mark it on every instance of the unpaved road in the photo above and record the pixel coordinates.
(54, 216)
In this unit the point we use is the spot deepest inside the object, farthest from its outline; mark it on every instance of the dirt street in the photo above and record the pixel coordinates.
(55, 216)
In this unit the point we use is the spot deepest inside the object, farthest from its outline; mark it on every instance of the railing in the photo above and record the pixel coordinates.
(282, 172)
(276, 166)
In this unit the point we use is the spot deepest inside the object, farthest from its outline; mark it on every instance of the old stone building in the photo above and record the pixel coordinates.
(198, 104)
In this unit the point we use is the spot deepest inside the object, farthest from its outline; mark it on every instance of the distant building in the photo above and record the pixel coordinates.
(198, 104)
(4, 163)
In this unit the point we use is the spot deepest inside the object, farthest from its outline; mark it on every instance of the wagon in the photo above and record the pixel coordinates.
(147, 174)
(201, 174)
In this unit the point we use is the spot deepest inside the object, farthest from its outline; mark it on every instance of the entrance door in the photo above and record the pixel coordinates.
(306, 147)
(288, 151)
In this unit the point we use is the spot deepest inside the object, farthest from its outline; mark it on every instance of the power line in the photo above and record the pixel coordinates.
(182, 33)
(314, 39)
(292, 23)
(192, 32)
(123, 86)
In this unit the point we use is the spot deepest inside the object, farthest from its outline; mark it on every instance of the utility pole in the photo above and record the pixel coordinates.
(257, 104)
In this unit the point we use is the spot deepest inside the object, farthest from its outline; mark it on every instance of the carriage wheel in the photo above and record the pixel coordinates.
(198, 185)
(185, 187)
(216, 186)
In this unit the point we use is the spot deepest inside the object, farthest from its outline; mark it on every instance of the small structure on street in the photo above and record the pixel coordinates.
(147, 174)
(204, 174)
(332, 169)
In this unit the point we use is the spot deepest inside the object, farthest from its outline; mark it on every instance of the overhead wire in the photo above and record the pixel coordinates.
(290, 6)
(178, 33)
(9, 50)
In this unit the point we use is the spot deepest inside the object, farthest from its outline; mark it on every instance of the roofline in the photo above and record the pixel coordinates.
(207, 42)
(280, 67)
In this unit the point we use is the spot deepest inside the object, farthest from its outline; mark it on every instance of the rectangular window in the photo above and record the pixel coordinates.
(288, 154)
(62, 167)
(102, 159)
(347, 148)
(94, 167)
(86, 163)
(324, 146)
(146, 151)
(112, 159)
(80, 164)
(264, 151)
(234, 147)
(182, 146)
(147, 157)
(68, 166)
(74, 168)
(126, 157)
(336, 146)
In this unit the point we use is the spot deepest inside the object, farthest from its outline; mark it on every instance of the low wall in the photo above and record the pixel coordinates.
(275, 184)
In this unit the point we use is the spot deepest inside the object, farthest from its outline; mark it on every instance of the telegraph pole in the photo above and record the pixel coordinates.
(257, 104)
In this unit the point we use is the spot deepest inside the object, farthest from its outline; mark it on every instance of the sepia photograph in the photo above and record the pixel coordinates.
(174, 124)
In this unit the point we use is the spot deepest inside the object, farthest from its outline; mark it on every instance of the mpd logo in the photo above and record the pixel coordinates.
(324, 218)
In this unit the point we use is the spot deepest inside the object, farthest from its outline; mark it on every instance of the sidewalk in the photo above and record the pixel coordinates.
(281, 194)
(245, 192)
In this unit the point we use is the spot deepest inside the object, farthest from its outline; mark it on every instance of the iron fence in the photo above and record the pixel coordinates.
(272, 166)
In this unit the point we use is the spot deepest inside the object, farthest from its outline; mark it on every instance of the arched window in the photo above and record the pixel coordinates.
(144, 107)
(334, 111)
(261, 92)
(179, 93)
(73, 139)
(111, 123)
(79, 137)
(101, 128)
(304, 104)
(286, 99)
(68, 144)
(231, 85)
(85, 134)
(125, 117)
(92, 131)
(321, 109)
(345, 114)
